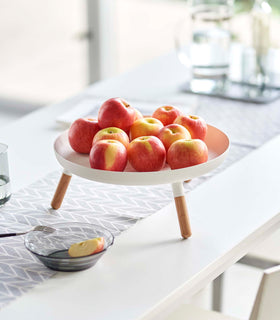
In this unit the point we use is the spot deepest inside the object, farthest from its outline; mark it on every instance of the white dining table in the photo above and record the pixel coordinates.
(150, 269)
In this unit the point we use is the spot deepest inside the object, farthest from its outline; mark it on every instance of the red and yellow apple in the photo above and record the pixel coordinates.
(81, 134)
(108, 155)
(166, 114)
(116, 112)
(185, 153)
(196, 125)
(112, 133)
(86, 248)
(146, 153)
(171, 133)
(138, 115)
(146, 126)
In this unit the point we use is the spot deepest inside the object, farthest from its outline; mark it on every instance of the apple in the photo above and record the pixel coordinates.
(196, 125)
(147, 126)
(87, 247)
(171, 133)
(146, 153)
(116, 112)
(112, 133)
(185, 153)
(166, 114)
(138, 115)
(108, 155)
(81, 133)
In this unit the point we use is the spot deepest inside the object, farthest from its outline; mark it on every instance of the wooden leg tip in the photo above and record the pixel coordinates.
(55, 207)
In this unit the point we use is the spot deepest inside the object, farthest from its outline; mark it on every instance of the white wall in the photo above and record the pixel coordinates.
(41, 58)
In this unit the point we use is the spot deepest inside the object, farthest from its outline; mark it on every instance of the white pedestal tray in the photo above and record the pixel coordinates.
(78, 164)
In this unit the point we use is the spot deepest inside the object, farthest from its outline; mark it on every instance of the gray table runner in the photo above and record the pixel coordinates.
(115, 207)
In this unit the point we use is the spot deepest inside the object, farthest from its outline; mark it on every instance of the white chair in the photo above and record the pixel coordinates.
(266, 306)
(265, 255)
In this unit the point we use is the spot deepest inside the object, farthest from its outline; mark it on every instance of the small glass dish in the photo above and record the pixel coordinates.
(52, 248)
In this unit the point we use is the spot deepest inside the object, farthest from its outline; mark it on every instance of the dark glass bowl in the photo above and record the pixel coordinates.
(51, 248)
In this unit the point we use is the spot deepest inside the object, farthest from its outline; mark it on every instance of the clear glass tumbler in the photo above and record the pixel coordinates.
(211, 37)
(203, 41)
(5, 187)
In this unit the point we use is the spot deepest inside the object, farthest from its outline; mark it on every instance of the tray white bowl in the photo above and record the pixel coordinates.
(78, 164)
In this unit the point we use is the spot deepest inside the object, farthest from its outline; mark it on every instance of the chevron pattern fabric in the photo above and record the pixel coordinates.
(114, 207)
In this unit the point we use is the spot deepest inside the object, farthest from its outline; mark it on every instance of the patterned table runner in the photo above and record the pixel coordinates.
(115, 207)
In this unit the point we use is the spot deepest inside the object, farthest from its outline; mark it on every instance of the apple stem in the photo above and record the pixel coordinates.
(182, 211)
(61, 189)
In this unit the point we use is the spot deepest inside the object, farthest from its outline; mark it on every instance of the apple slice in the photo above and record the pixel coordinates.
(86, 248)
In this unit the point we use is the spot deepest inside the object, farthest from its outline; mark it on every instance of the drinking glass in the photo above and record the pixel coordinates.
(208, 52)
(5, 188)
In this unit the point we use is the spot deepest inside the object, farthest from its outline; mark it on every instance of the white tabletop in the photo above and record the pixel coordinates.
(150, 269)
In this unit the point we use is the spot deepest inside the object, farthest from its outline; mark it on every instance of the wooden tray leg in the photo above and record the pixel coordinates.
(61, 189)
(182, 211)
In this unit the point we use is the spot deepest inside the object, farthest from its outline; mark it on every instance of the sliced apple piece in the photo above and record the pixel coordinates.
(86, 248)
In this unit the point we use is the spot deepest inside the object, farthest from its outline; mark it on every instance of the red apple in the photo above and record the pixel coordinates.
(81, 133)
(185, 153)
(171, 133)
(86, 248)
(147, 126)
(146, 154)
(116, 112)
(138, 115)
(166, 114)
(112, 133)
(195, 125)
(108, 155)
